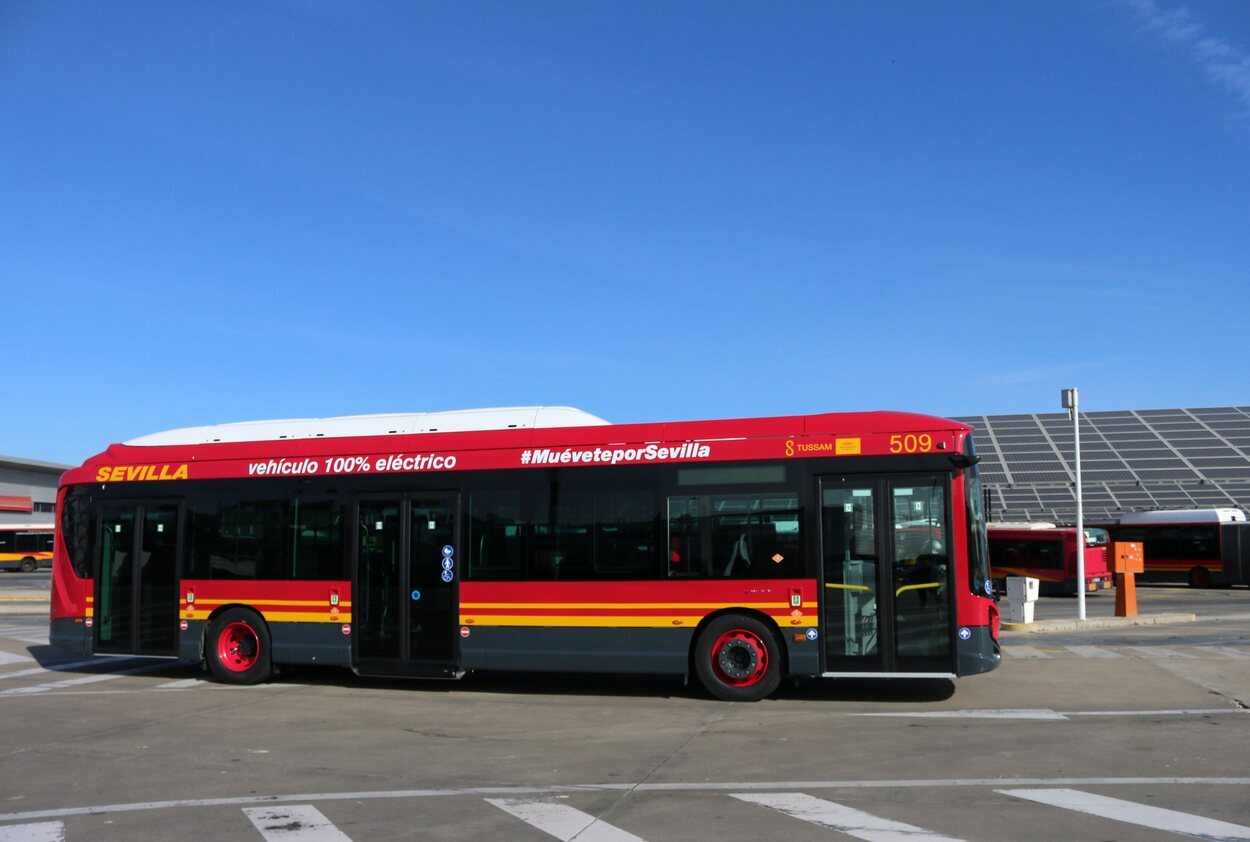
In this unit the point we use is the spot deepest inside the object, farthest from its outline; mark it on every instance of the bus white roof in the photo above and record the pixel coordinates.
(1021, 524)
(455, 421)
(40, 527)
(1183, 516)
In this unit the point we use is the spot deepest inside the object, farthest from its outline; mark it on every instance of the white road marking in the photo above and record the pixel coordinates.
(1225, 651)
(10, 658)
(40, 832)
(73, 665)
(1172, 712)
(1093, 652)
(181, 685)
(989, 713)
(1045, 714)
(1024, 652)
(1157, 652)
(1142, 815)
(84, 679)
(562, 821)
(637, 786)
(302, 823)
(845, 819)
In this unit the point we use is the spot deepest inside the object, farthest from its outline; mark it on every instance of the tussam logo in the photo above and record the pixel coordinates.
(613, 456)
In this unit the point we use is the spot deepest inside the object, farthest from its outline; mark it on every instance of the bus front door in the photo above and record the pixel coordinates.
(135, 609)
(886, 595)
(405, 596)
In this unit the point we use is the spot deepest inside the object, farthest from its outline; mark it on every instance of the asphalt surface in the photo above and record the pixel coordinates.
(1128, 733)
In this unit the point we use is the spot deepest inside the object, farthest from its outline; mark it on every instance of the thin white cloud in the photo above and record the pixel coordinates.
(1224, 63)
(1040, 373)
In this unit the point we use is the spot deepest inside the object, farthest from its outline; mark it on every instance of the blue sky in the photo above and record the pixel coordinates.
(653, 211)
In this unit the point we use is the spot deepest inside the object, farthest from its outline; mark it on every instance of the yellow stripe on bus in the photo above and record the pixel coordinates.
(280, 616)
(288, 602)
(606, 622)
(710, 606)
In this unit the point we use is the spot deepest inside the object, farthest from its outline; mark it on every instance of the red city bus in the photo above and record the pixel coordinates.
(535, 539)
(1048, 554)
(1201, 546)
(25, 546)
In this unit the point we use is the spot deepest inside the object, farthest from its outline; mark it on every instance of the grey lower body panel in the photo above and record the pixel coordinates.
(565, 649)
(311, 643)
(71, 634)
(979, 653)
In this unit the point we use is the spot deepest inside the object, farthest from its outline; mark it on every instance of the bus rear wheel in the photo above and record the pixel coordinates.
(238, 648)
(737, 659)
(1199, 577)
(29, 565)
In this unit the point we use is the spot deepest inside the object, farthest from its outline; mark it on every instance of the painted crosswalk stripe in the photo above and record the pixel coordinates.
(297, 823)
(1225, 651)
(1142, 815)
(562, 821)
(844, 819)
(1024, 652)
(37, 832)
(10, 658)
(72, 665)
(1156, 652)
(84, 679)
(1093, 652)
(182, 685)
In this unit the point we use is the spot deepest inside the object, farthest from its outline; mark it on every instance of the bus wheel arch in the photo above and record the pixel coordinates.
(738, 655)
(1199, 577)
(237, 645)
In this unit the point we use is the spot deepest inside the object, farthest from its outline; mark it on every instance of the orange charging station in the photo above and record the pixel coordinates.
(1127, 558)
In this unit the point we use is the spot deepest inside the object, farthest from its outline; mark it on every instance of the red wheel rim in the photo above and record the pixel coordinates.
(739, 658)
(238, 647)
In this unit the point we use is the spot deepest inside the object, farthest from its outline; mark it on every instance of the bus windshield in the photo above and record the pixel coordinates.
(978, 549)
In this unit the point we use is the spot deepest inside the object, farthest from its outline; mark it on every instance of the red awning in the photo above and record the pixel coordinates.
(16, 504)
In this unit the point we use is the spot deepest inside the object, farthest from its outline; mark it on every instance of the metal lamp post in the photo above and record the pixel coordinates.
(1071, 402)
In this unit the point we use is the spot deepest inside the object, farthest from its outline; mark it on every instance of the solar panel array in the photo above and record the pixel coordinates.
(1131, 460)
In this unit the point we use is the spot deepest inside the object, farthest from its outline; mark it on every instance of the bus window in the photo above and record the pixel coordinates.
(735, 536)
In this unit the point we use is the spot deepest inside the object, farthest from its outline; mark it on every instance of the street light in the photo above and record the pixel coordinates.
(1071, 402)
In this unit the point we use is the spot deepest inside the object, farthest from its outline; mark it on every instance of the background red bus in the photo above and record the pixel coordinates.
(536, 539)
(1047, 553)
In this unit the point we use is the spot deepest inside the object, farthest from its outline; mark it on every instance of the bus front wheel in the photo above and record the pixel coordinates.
(29, 565)
(1199, 577)
(237, 648)
(737, 659)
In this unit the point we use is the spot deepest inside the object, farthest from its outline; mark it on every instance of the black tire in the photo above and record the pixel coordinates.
(29, 565)
(1199, 577)
(237, 647)
(738, 659)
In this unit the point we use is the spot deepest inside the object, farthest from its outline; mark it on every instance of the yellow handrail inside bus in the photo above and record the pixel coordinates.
(848, 587)
(917, 587)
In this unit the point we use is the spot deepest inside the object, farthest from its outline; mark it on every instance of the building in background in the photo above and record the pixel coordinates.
(1131, 460)
(28, 490)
